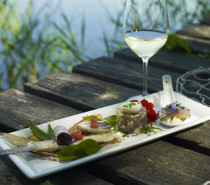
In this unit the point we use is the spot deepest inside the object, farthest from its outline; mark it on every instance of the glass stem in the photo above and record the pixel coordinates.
(145, 65)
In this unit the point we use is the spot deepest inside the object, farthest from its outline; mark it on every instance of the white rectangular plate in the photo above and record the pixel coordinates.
(35, 166)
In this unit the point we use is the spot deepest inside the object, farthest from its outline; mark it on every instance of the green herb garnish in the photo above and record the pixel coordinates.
(130, 104)
(50, 132)
(112, 120)
(40, 134)
(88, 118)
(125, 135)
(83, 149)
(149, 129)
(171, 119)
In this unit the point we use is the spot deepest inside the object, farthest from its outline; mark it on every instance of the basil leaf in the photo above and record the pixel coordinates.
(38, 132)
(50, 132)
(88, 118)
(83, 149)
(112, 120)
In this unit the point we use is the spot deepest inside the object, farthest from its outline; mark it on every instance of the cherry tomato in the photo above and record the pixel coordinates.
(144, 102)
(150, 106)
(93, 123)
(77, 135)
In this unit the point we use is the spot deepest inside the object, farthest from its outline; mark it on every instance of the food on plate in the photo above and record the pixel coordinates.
(85, 138)
(100, 131)
(135, 116)
(62, 135)
(21, 144)
(94, 126)
(174, 113)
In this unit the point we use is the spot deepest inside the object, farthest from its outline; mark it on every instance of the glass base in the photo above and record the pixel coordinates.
(134, 97)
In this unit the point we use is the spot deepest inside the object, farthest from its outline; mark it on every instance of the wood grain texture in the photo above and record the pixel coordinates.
(18, 108)
(195, 139)
(124, 72)
(183, 159)
(196, 30)
(157, 163)
(200, 48)
(206, 21)
(127, 73)
(11, 175)
(80, 92)
(169, 61)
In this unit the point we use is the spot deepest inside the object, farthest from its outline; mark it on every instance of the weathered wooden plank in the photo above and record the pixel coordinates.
(196, 39)
(11, 175)
(156, 163)
(18, 108)
(206, 21)
(86, 93)
(124, 72)
(77, 91)
(196, 30)
(200, 48)
(170, 61)
(195, 139)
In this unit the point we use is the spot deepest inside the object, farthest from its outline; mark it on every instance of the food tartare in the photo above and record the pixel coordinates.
(134, 116)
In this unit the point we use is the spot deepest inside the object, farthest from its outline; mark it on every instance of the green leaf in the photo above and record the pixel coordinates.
(83, 149)
(88, 118)
(175, 42)
(207, 55)
(50, 132)
(47, 182)
(112, 120)
(38, 132)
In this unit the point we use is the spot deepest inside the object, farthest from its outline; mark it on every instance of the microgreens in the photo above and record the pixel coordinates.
(129, 104)
(88, 118)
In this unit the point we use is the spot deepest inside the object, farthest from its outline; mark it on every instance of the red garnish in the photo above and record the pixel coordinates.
(151, 114)
(144, 102)
(134, 101)
(150, 106)
(93, 123)
(63, 138)
(77, 135)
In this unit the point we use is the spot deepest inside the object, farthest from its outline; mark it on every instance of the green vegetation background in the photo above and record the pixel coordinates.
(31, 48)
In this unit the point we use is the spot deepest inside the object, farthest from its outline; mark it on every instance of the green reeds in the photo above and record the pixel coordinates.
(30, 49)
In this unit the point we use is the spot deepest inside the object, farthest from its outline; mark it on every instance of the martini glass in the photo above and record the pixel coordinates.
(145, 30)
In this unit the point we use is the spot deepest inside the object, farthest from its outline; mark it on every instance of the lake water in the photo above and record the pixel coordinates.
(96, 18)
(97, 22)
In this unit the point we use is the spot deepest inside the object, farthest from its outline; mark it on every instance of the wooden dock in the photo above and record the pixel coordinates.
(182, 158)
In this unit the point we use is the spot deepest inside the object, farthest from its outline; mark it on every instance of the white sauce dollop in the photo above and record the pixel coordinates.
(131, 107)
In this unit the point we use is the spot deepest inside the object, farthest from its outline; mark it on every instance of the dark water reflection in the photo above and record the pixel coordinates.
(99, 12)
(101, 18)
